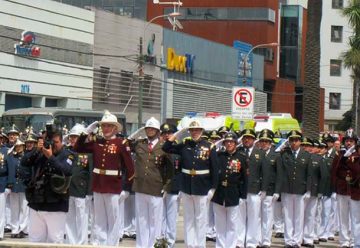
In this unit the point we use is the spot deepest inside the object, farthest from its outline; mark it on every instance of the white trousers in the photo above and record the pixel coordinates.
(89, 208)
(19, 217)
(278, 217)
(355, 221)
(293, 207)
(129, 215)
(46, 227)
(344, 220)
(242, 224)
(77, 222)
(107, 219)
(2, 215)
(7, 211)
(309, 221)
(267, 220)
(226, 220)
(148, 214)
(171, 207)
(253, 232)
(327, 218)
(211, 230)
(195, 220)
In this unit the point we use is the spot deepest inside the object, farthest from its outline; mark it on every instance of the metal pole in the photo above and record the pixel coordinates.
(141, 74)
(356, 106)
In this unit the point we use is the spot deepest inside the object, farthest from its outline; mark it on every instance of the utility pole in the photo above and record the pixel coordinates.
(140, 78)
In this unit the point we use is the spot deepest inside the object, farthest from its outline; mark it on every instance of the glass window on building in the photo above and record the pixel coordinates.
(334, 100)
(337, 4)
(336, 33)
(335, 67)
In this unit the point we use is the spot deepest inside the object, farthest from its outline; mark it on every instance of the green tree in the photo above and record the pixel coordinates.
(352, 56)
(311, 99)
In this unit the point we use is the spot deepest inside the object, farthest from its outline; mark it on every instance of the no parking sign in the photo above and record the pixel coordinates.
(243, 102)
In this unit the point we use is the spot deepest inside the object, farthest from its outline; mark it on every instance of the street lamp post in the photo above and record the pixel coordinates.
(251, 50)
(141, 62)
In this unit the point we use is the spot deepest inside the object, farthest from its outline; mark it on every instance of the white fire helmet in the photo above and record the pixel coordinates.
(109, 118)
(152, 122)
(77, 129)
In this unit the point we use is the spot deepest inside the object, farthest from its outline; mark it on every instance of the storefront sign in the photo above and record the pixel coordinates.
(26, 46)
(179, 63)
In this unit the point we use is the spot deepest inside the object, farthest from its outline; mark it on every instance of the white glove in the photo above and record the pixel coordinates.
(333, 196)
(307, 195)
(262, 195)
(90, 129)
(179, 133)
(123, 195)
(7, 191)
(276, 196)
(241, 201)
(210, 194)
(164, 193)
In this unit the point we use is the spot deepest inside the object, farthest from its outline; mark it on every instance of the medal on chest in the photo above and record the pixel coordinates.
(112, 148)
(234, 166)
(83, 160)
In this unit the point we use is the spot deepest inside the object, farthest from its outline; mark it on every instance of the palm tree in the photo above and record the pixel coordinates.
(311, 92)
(352, 56)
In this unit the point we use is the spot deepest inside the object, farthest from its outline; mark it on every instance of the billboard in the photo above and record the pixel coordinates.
(244, 77)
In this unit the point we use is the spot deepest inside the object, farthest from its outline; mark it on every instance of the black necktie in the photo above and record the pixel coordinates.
(294, 154)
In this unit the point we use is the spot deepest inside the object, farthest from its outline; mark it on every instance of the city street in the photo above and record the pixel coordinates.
(7, 242)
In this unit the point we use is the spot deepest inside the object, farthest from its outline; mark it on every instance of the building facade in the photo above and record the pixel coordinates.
(46, 55)
(334, 77)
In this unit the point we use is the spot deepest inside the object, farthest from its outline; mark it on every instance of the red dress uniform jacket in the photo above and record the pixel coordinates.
(341, 173)
(354, 166)
(108, 156)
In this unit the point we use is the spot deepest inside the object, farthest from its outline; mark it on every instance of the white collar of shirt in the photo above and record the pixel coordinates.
(153, 142)
(296, 152)
(330, 151)
(267, 152)
(250, 150)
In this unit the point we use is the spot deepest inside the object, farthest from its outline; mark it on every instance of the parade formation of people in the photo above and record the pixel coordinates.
(237, 188)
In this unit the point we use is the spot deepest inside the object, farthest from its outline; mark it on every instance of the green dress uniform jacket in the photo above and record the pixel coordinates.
(255, 167)
(80, 179)
(153, 169)
(328, 186)
(319, 175)
(271, 177)
(295, 172)
(199, 169)
(232, 179)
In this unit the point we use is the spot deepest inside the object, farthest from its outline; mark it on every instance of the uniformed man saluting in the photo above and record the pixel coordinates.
(110, 156)
(231, 187)
(199, 180)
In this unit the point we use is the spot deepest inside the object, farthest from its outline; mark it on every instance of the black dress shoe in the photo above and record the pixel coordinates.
(133, 236)
(24, 233)
(125, 236)
(316, 242)
(7, 230)
(308, 245)
(331, 238)
(279, 235)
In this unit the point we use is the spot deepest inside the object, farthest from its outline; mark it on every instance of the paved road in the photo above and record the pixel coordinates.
(23, 243)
